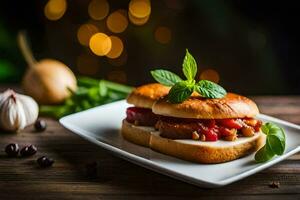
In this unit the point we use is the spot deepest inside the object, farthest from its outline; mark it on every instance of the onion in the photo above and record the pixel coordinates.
(48, 81)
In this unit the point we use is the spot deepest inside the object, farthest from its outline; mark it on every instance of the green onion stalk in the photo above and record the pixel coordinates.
(90, 93)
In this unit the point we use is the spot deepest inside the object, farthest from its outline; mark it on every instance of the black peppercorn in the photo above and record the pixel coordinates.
(45, 162)
(91, 170)
(28, 151)
(12, 150)
(40, 125)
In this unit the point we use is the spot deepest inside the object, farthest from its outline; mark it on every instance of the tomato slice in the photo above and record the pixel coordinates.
(210, 133)
(231, 123)
(224, 131)
(257, 126)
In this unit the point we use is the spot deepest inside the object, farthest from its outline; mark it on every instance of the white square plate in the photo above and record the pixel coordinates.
(101, 126)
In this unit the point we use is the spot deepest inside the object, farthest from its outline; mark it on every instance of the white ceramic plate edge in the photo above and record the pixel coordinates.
(159, 169)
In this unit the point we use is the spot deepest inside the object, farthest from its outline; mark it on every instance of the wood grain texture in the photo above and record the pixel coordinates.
(118, 179)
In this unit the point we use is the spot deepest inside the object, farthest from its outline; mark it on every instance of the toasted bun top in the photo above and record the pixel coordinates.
(145, 95)
(230, 106)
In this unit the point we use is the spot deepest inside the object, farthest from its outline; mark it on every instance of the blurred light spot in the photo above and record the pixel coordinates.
(123, 12)
(100, 44)
(163, 35)
(117, 22)
(98, 9)
(121, 60)
(140, 8)
(137, 21)
(174, 4)
(117, 76)
(55, 9)
(257, 39)
(87, 64)
(116, 47)
(211, 75)
(85, 32)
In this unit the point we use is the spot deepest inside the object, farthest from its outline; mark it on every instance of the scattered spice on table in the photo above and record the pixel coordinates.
(91, 169)
(28, 151)
(274, 184)
(40, 125)
(12, 150)
(45, 161)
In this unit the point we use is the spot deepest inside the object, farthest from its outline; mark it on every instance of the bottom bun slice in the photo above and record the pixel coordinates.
(137, 134)
(193, 150)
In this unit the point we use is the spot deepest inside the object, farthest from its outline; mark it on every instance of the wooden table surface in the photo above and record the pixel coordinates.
(20, 178)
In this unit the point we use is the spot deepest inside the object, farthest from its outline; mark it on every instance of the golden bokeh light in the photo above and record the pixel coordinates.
(123, 12)
(140, 8)
(116, 47)
(98, 9)
(121, 60)
(211, 75)
(117, 22)
(117, 76)
(100, 44)
(85, 32)
(87, 64)
(55, 9)
(137, 21)
(163, 35)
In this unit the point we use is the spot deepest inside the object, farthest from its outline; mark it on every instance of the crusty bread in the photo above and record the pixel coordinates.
(145, 95)
(192, 150)
(207, 152)
(231, 106)
(136, 134)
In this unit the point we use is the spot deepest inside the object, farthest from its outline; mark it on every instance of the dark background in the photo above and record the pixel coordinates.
(251, 44)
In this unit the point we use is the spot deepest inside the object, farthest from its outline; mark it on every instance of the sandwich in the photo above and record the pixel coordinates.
(140, 120)
(198, 121)
(198, 129)
(207, 130)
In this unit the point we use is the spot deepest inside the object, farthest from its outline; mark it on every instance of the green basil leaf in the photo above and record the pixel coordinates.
(165, 77)
(275, 137)
(275, 142)
(264, 154)
(180, 92)
(265, 129)
(210, 89)
(189, 66)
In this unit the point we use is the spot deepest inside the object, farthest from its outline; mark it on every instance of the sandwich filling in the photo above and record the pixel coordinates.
(207, 129)
(197, 129)
(141, 116)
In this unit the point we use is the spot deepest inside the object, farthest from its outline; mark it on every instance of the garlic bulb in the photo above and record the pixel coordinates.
(17, 111)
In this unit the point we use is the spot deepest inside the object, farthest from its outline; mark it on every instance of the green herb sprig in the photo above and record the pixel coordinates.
(183, 89)
(90, 93)
(275, 143)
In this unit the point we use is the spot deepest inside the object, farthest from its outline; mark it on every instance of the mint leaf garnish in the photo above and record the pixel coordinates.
(189, 66)
(210, 89)
(165, 77)
(183, 89)
(180, 92)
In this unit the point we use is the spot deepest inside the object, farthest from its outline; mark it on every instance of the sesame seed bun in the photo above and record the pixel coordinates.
(230, 106)
(145, 95)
